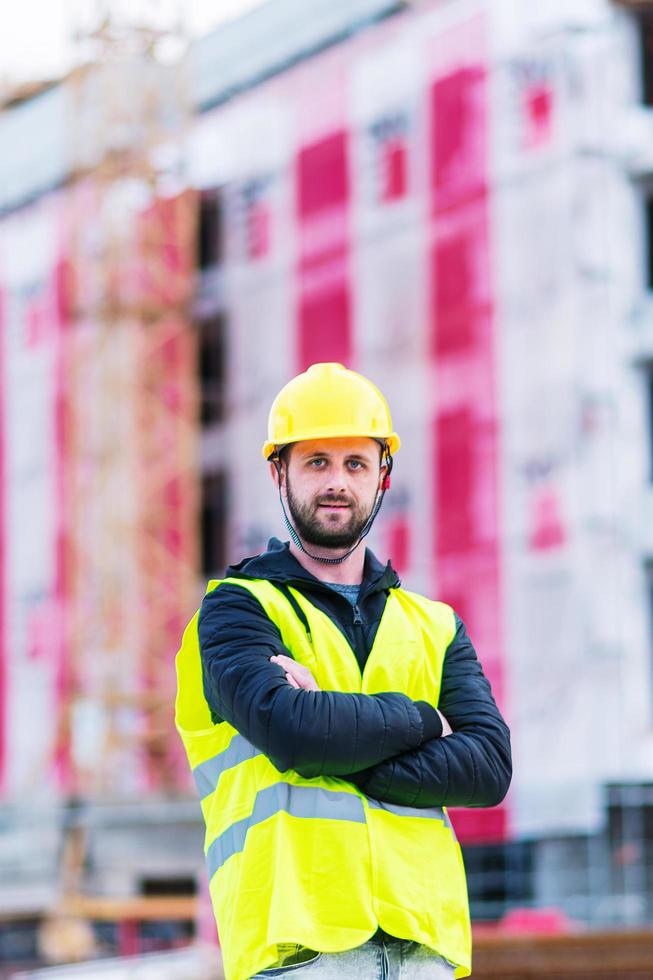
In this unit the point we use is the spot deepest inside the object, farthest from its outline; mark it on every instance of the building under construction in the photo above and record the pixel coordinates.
(452, 196)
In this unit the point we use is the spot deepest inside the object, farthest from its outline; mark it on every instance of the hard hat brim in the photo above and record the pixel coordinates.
(392, 440)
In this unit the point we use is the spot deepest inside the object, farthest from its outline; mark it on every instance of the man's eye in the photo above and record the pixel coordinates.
(355, 464)
(316, 462)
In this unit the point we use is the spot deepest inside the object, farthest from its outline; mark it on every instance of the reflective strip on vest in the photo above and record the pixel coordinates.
(428, 813)
(299, 801)
(206, 775)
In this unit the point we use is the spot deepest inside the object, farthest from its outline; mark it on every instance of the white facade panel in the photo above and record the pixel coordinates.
(35, 153)
(33, 630)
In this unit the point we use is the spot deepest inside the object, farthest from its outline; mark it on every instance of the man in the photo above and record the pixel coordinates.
(329, 715)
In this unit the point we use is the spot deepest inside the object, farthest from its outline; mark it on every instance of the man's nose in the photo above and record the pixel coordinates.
(337, 478)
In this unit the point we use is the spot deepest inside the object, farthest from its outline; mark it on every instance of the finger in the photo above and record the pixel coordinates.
(291, 680)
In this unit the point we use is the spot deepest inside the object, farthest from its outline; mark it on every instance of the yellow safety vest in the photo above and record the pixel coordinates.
(314, 861)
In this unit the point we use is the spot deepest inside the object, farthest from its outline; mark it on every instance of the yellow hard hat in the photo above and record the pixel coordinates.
(325, 402)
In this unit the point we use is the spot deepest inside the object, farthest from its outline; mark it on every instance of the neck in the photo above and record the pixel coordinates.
(348, 572)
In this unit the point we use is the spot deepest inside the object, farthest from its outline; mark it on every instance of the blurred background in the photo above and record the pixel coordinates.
(454, 197)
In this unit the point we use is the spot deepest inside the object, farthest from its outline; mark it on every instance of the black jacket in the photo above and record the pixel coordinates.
(386, 744)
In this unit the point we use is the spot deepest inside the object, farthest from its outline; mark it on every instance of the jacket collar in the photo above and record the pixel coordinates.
(278, 564)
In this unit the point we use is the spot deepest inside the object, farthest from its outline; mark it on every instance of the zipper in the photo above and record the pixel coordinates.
(359, 639)
(359, 649)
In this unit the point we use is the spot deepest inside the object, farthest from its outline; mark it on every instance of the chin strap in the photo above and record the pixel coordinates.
(367, 527)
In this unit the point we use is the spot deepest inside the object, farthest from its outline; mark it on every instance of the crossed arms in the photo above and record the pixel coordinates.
(382, 742)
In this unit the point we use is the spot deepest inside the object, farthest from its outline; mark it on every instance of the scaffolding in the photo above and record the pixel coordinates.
(128, 410)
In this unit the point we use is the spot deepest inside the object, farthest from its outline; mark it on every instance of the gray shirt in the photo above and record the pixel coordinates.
(350, 592)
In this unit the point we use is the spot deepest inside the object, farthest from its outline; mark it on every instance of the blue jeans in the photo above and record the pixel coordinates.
(397, 959)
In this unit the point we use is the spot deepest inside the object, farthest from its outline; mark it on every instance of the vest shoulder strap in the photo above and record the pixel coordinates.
(267, 594)
(438, 614)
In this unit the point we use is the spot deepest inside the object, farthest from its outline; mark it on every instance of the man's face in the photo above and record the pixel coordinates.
(331, 486)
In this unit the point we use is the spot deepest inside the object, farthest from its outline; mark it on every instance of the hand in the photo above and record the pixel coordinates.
(296, 675)
(446, 727)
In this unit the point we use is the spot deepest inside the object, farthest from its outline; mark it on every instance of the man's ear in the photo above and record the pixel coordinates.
(384, 478)
(386, 470)
(277, 472)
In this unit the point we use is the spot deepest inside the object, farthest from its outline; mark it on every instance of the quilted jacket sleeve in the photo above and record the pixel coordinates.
(314, 733)
(473, 766)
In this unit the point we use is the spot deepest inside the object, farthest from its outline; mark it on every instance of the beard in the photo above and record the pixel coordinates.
(313, 527)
